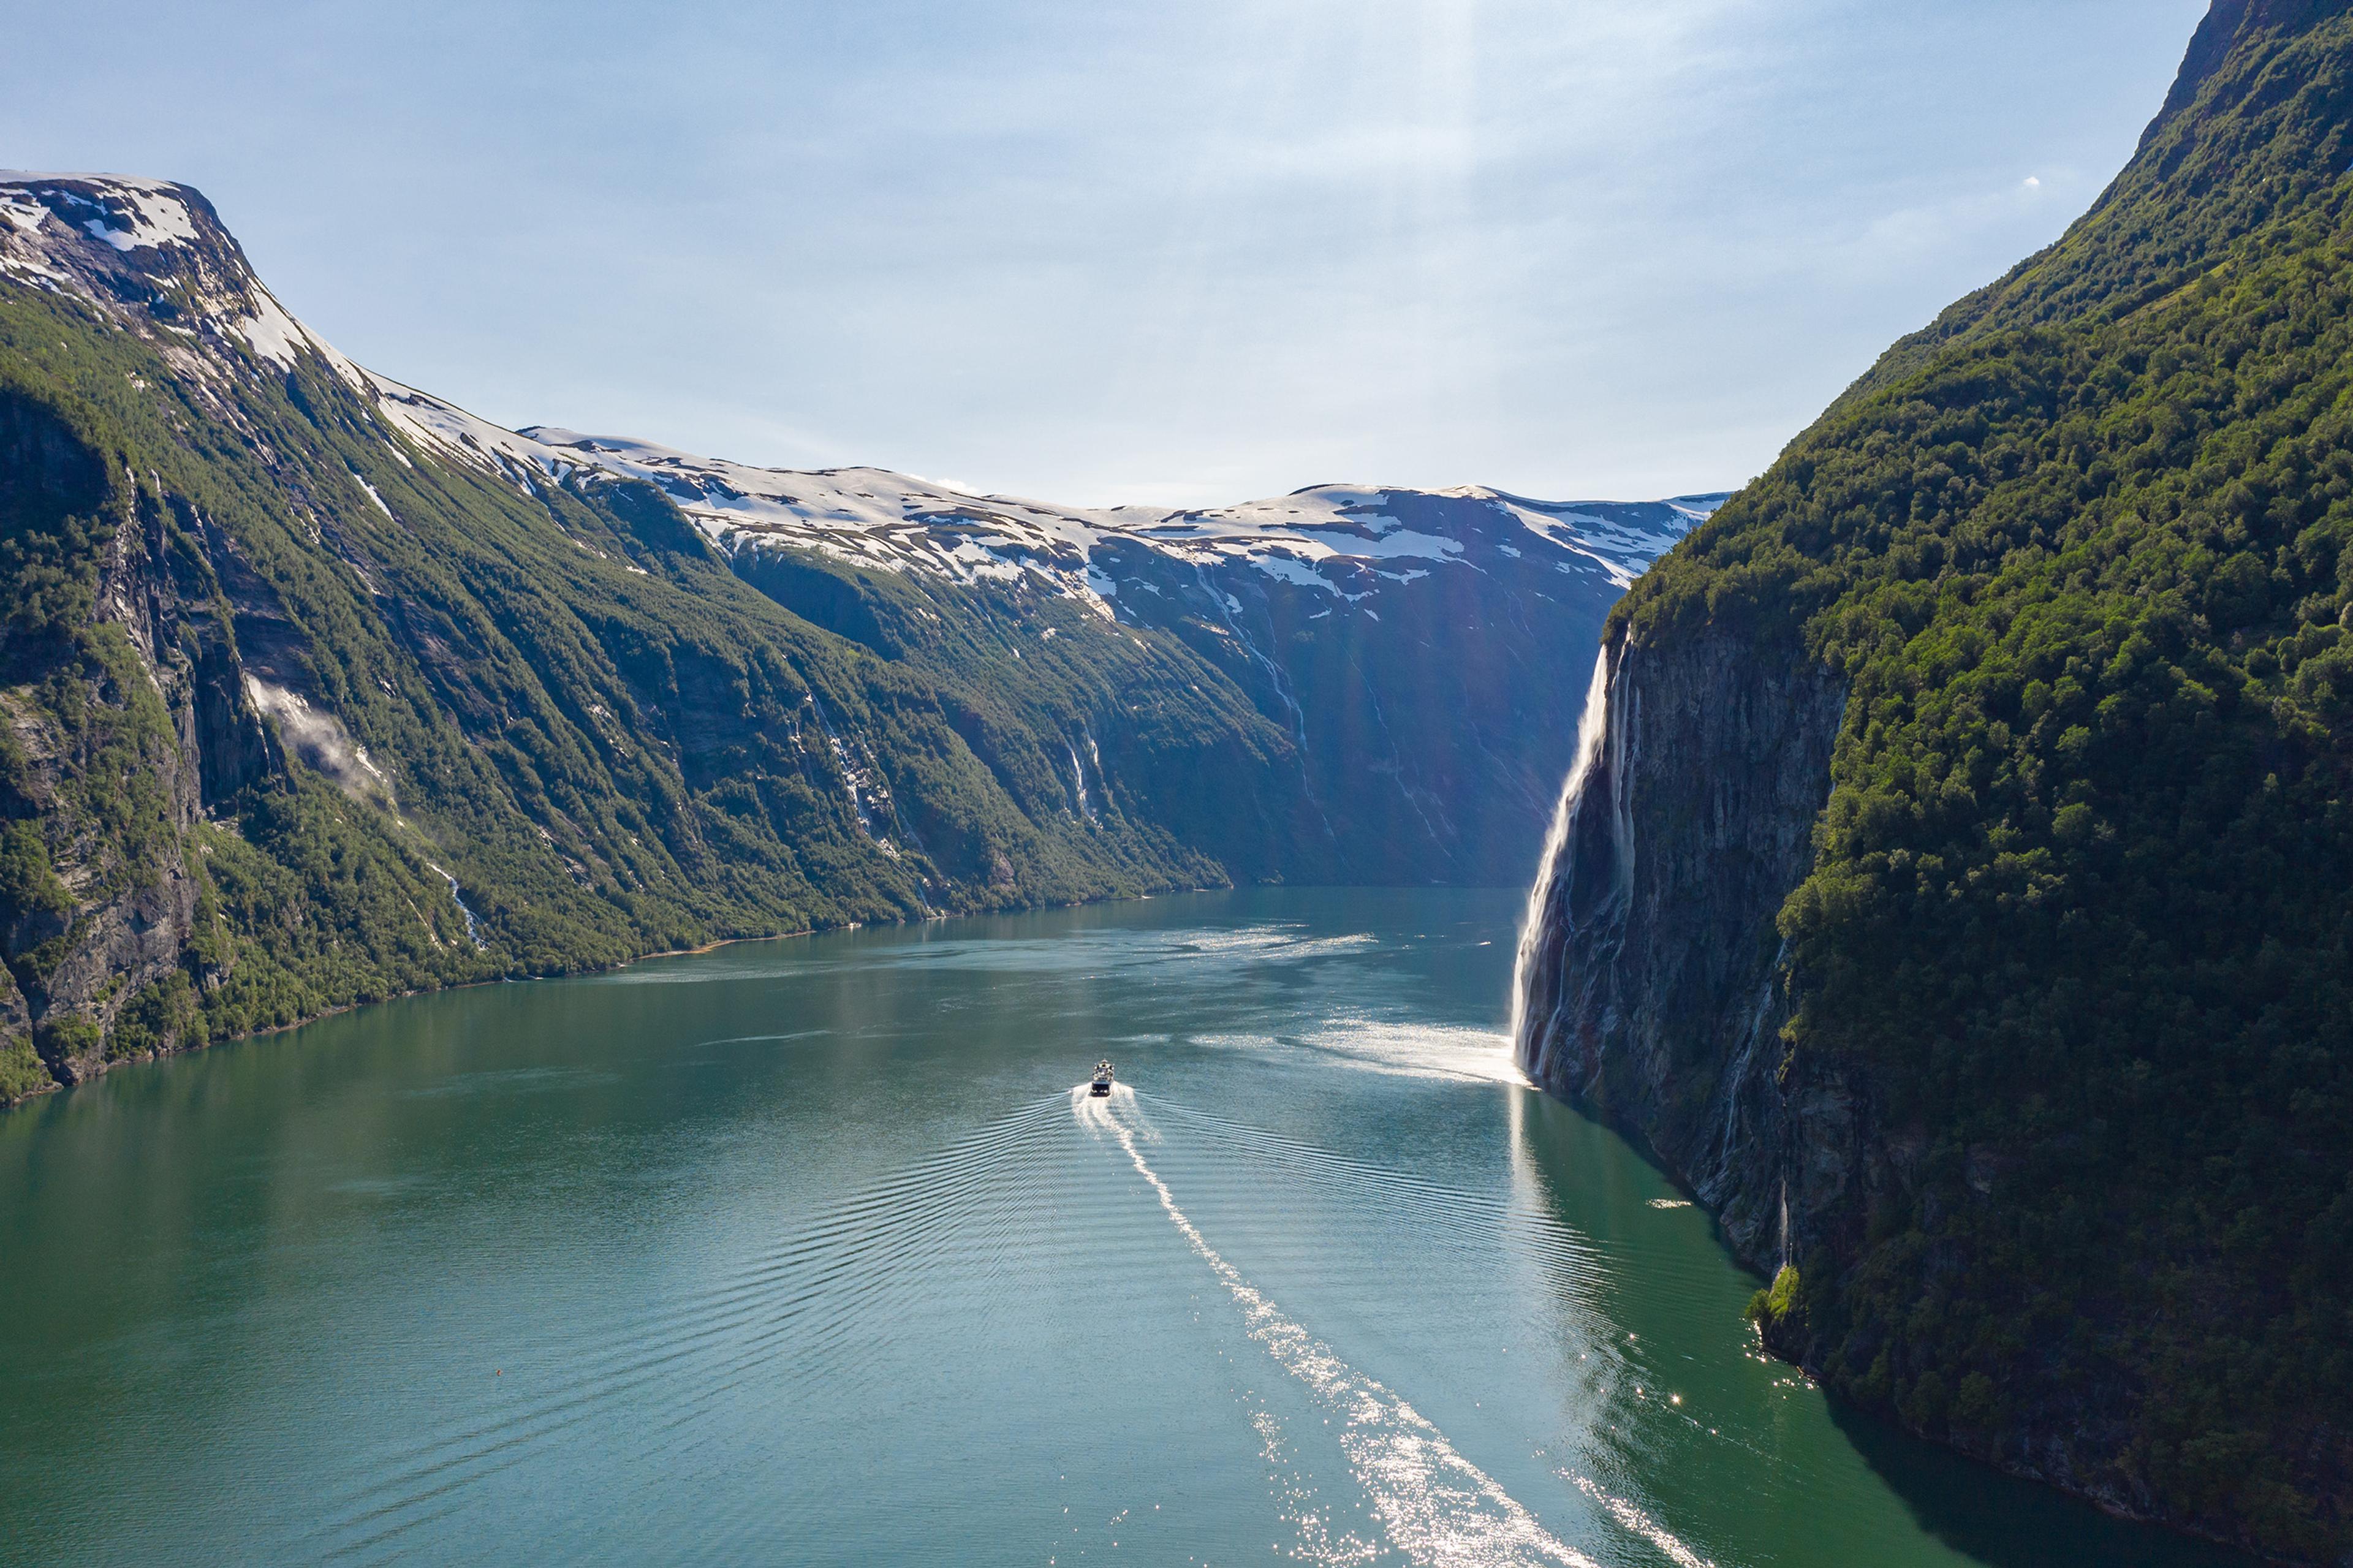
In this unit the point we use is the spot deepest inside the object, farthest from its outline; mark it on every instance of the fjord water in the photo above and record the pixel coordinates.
(813, 1251)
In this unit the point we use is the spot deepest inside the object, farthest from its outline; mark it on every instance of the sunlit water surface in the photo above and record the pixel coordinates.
(813, 1251)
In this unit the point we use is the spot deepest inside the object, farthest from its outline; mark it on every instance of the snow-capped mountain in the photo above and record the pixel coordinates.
(152, 255)
(572, 697)
(1344, 540)
(91, 235)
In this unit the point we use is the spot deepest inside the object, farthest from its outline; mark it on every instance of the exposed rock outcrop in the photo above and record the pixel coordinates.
(1650, 986)
(114, 919)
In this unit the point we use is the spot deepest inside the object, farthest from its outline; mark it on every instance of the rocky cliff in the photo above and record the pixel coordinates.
(1651, 981)
(1955, 890)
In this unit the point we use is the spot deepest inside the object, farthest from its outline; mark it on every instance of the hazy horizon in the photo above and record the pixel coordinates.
(1104, 255)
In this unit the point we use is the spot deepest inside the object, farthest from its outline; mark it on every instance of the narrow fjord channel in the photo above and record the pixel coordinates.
(808, 1251)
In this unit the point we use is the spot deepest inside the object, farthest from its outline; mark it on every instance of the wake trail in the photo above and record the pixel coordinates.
(1584, 1264)
(1435, 1506)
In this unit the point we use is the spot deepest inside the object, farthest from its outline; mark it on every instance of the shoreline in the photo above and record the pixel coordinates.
(148, 1058)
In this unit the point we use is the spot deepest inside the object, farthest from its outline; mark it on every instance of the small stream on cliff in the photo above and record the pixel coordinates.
(810, 1251)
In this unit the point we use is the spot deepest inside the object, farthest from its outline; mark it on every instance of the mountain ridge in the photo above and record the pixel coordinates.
(318, 689)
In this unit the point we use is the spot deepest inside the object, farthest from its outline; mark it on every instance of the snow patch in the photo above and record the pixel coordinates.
(273, 333)
(151, 212)
(1287, 570)
(373, 496)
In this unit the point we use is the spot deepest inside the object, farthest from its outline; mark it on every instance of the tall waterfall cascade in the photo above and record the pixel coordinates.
(1583, 874)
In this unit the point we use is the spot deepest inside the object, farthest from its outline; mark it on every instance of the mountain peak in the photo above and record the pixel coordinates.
(122, 211)
(125, 234)
(155, 256)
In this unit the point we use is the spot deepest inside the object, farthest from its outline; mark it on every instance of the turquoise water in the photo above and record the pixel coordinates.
(810, 1251)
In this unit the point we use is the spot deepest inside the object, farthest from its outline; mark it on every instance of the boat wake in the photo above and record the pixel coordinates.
(1434, 1505)
(832, 1297)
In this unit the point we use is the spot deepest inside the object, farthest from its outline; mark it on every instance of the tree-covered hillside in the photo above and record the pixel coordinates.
(2082, 909)
(277, 697)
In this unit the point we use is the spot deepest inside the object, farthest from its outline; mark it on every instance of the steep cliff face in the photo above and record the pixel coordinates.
(1651, 983)
(121, 731)
(1957, 893)
(1411, 677)
(126, 930)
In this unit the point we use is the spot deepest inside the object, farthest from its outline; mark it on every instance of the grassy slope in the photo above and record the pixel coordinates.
(2085, 552)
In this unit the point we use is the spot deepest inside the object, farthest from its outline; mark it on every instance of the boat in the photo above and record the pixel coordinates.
(1101, 1086)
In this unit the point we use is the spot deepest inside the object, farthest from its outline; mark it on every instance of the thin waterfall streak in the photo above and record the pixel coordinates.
(1728, 1135)
(1079, 782)
(1535, 923)
(1275, 676)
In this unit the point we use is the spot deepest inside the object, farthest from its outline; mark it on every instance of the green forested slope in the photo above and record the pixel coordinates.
(2083, 903)
(270, 671)
(315, 689)
(1143, 724)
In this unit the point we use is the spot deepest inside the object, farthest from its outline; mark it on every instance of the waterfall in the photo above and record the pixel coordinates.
(1079, 779)
(1785, 1222)
(1545, 925)
(1728, 1137)
(1227, 607)
(850, 775)
(458, 896)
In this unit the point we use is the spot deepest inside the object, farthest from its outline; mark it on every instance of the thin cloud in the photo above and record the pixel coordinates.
(1120, 251)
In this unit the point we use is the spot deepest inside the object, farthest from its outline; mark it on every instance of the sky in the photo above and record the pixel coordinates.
(1104, 251)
